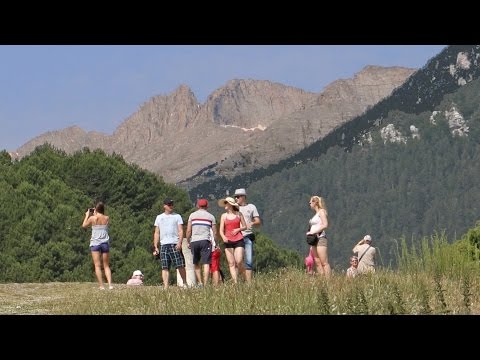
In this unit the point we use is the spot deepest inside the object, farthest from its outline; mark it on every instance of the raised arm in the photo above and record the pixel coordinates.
(87, 220)
(355, 248)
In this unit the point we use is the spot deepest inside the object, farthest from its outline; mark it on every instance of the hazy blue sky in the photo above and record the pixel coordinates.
(44, 88)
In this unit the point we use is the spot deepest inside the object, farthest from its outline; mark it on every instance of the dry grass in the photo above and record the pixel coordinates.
(284, 292)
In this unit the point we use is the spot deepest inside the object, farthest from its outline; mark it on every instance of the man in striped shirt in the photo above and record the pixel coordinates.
(199, 240)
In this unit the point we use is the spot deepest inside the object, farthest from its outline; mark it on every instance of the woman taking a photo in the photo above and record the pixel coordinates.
(99, 242)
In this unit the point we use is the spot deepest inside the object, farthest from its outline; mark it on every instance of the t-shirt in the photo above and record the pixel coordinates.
(168, 225)
(202, 222)
(249, 212)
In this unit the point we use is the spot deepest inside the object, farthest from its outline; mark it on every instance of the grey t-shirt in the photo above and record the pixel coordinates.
(249, 212)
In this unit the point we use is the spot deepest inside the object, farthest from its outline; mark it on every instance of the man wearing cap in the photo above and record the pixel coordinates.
(199, 225)
(252, 218)
(169, 232)
(366, 255)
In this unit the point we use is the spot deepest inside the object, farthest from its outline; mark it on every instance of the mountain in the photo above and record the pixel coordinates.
(242, 126)
(454, 67)
(406, 168)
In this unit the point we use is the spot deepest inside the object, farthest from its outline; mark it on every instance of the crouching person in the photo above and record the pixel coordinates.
(136, 279)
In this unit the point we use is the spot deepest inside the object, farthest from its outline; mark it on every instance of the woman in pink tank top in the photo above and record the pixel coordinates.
(232, 223)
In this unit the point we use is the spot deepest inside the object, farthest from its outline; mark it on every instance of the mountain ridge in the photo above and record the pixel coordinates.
(243, 125)
(444, 73)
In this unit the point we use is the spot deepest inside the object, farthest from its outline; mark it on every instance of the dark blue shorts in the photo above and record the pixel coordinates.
(201, 251)
(103, 247)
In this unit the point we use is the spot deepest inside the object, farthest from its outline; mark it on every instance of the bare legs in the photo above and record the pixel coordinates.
(216, 278)
(198, 273)
(235, 260)
(321, 259)
(248, 275)
(166, 276)
(98, 259)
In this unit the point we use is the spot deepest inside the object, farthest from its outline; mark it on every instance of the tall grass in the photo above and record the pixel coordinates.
(436, 256)
(289, 291)
(433, 278)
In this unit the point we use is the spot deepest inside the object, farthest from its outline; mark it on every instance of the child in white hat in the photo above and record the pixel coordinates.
(136, 279)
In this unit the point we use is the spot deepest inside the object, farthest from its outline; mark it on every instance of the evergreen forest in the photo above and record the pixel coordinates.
(43, 200)
(393, 191)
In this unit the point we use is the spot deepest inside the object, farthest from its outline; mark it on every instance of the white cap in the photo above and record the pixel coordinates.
(240, 192)
(137, 273)
(367, 237)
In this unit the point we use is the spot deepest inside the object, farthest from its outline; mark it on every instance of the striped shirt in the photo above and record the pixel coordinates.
(202, 221)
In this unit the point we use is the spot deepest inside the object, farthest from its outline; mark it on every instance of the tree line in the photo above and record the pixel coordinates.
(390, 190)
(44, 196)
(422, 92)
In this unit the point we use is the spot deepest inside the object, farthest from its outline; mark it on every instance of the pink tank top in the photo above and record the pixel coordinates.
(229, 226)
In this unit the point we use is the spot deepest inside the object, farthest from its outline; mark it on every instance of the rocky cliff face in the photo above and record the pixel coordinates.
(241, 126)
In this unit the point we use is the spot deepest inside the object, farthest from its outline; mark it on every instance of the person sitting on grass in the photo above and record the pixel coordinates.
(352, 270)
(136, 279)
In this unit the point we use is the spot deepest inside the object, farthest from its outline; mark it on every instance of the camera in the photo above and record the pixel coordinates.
(91, 210)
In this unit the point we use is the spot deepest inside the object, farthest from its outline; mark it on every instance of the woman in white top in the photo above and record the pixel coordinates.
(318, 224)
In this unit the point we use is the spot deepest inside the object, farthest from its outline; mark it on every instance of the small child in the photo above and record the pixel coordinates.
(310, 261)
(215, 270)
(352, 270)
(136, 279)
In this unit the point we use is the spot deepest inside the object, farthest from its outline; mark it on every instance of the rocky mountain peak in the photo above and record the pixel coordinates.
(268, 122)
(250, 103)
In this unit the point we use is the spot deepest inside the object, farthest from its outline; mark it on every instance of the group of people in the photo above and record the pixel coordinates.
(202, 236)
(364, 262)
(317, 257)
(236, 233)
